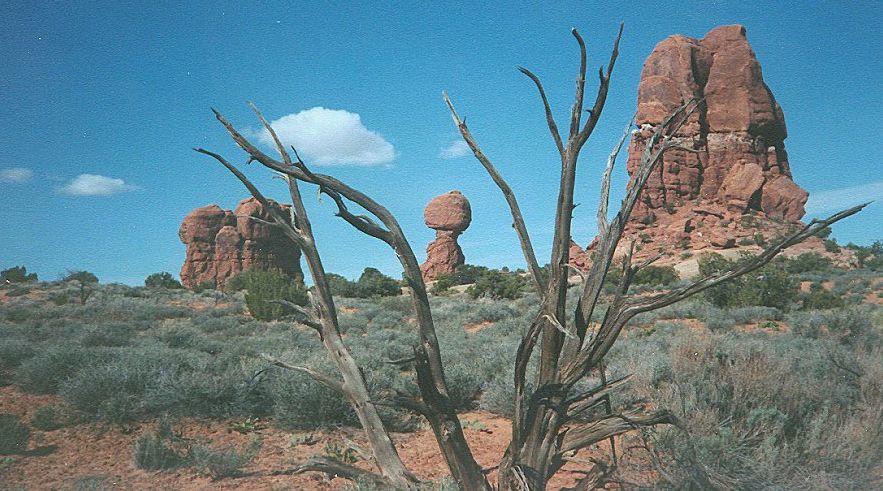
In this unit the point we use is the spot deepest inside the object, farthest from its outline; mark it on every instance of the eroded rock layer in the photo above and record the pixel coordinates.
(222, 243)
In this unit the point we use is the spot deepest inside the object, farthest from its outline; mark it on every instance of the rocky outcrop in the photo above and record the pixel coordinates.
(449, 215)
(740, 163)
(222, 243)
(733, 187)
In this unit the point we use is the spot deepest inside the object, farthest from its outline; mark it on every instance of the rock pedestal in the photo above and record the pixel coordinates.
(449, 215)
(222, 243)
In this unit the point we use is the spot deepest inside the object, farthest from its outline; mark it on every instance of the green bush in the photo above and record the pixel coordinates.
(498, 284)
(806, 262)
(14, 435)
(17, 274)
(162, 280)
(656, 276)
(372, 283)
(264, 287)
(770, 286)
(223, 462)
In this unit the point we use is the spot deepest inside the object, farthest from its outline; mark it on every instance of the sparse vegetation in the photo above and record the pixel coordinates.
(14, 435)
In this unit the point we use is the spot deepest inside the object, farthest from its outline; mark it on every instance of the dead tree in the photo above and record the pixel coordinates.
(553, 420)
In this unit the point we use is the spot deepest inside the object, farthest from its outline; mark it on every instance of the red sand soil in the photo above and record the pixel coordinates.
(98, 450)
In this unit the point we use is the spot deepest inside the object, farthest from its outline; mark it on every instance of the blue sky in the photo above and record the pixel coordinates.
(102, 103)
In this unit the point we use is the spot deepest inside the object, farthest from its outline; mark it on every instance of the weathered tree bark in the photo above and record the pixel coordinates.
(550, 423)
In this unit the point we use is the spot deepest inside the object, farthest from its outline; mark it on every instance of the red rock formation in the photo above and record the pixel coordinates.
(736, 188)
(222, 243)
(449, 214)
(739, 133)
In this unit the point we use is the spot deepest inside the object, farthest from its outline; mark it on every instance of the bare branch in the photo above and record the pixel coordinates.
(577, 110)
(550, 119)
(317, 376)
(518, 220)
(605, 181)
(583, 436)
(333, 468)
(289, 230)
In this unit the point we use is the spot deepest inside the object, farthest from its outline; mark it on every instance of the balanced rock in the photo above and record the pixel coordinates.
(222, 243)
(449, 215)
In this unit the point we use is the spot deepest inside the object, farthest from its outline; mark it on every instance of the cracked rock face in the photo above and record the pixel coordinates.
(449, 215)
(222, 243)
(740, 163)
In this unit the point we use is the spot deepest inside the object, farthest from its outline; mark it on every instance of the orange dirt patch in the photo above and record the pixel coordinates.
(478, 326)
(105, 452)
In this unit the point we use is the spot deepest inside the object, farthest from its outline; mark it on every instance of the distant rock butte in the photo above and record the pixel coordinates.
(449, 214)
(221, 243)
(736, 185)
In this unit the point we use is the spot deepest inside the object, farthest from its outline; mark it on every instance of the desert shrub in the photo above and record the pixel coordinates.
(159, 451)
(223, 462)
(52, 417)
(820, 299)
(264, 287)
(108, 335)
(16, 274)
(14, 435)
(498, 284)
(851, 326)
(163, 280)
(770, 286)
(831, 245)
(301, 402)
(465, 274)
(18, 291)
(15, 351)
(754, 313)
(44, 373)
(809, 261)
(765, 413)
(720, 320)
(656, 276)
(112, 392)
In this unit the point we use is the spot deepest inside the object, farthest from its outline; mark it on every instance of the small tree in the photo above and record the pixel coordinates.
(270, 294)
(553, 417)
(84, 281)
(162, 280)
(16, 274)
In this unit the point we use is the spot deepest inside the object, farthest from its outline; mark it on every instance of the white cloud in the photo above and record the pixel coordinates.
(95, 185)
(836, 199)
(457, 149)
(16, 175)
(331, 137)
